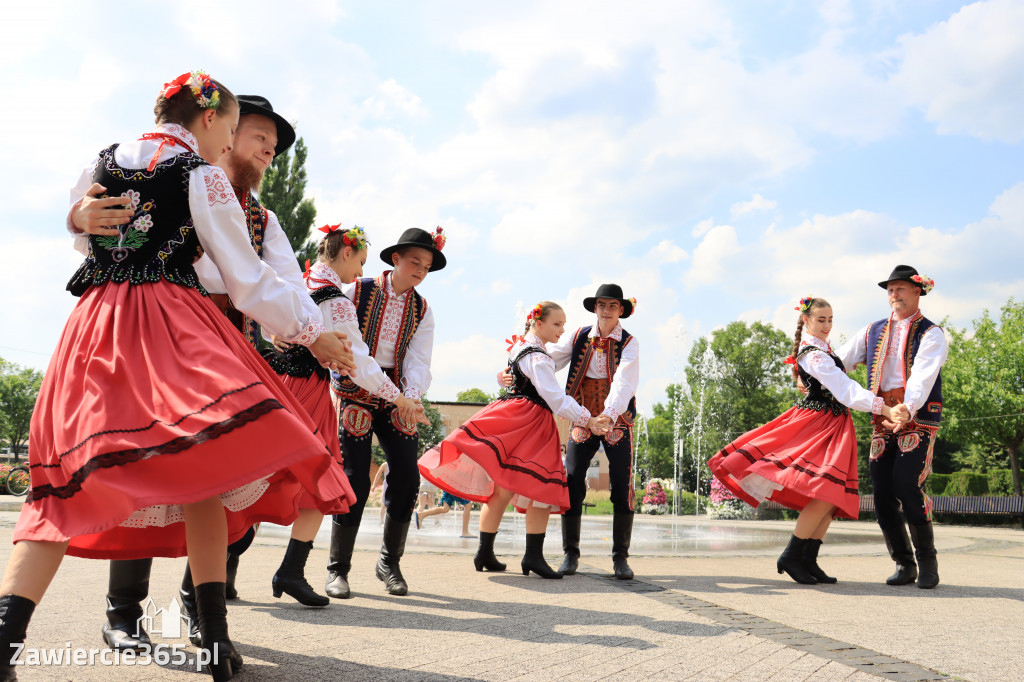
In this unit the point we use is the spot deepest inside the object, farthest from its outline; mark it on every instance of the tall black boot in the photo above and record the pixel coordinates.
(391, 551)
(291, 577)
(128, 585)
(188, 602)
(792, 562)
(570, 544)
(485, 559)
(811, 562)
(898, 543)
(224, 661)
(231, 573)
(533, 559)
(927, 559)
(622, 533)
(343, 541)
(15, 613)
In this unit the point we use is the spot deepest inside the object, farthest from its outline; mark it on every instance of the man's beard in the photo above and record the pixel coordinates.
(246, 175)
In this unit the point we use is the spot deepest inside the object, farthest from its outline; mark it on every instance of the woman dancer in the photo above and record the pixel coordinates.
(509, 451)
(806, 458)
(150, 385)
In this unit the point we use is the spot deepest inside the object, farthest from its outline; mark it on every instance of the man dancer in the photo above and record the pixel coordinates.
(904, 354)
(261, 135)
(604, 371)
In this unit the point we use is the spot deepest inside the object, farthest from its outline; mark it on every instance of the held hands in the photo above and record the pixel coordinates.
(411, 411)
(100, 216)
(600, 424)
(896, 418)
(505, 378)
(333, 351)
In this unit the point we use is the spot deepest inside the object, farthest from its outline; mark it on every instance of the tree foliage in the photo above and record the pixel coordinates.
(983, 387)
(19, 387)
(473, 395)
(432, 434)
(284, 192)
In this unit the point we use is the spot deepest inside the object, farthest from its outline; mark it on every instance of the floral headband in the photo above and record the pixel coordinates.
(355, 236)
(202, 87)
(805, 304)
(923, 282)
(536, 313)
(439, 238)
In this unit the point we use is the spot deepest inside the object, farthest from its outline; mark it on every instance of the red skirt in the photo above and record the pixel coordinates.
(315, 395)
(799, 456)
(510, 443)
(153, 400)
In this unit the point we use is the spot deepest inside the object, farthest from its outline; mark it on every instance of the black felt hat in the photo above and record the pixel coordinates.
(414, 236)
(254, 104)
(905, 273)
(610, 291)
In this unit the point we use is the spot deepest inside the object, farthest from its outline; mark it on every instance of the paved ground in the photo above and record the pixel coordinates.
(704, 614)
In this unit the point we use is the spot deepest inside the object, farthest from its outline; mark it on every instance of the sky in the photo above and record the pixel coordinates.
(717, 159)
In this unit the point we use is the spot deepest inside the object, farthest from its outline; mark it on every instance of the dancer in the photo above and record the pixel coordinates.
(120, 427)
(806, 458)
(904, 354)
(398, 328)
(262, 134)
(604, 372)
(509, 451)
(448, 501)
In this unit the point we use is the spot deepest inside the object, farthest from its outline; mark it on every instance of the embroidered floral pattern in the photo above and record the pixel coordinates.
(342, 310)
(218, 189)
(143, 222)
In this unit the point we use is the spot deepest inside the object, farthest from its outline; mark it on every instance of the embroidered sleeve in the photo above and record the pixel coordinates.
(625, 381)
(341, 311)
(308, 335)
(584, 417)
(876, 407)
(540, 369)
(218, 189)
(416, 366)
(612, 413)
(931, 355)
(822, 367)
(912, 407)
(388, 391)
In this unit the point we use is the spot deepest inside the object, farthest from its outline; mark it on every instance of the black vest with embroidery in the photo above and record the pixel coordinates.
(298, 361)
(370, 298)
(579, 361)
(818, 397)
(521, 386)
(256, 218)
(876, 343)
(159, 242)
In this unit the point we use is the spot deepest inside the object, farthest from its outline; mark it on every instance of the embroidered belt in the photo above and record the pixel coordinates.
(593, 393)
(892, 399)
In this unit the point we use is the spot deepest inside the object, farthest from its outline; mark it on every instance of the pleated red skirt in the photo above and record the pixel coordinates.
(510, 443)
(314, 393)
(799, 456)
(153, 400)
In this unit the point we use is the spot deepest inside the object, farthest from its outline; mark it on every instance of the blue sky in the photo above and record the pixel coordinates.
(718, 160)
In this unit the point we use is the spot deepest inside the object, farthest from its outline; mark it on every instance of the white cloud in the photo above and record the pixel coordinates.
(757, 204)
(667, 251)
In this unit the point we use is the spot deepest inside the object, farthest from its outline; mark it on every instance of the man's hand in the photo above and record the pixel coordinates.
(900, 416)
(280, 344)
(99, 216)
(411, 411)
(600, 424)
(505, 378)
(332, 350)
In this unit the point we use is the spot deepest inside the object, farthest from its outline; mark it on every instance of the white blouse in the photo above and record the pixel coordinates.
(540, 368)
(253, 285)
(627, 375)
(416, 367)
(931, 356)
(340, 315)
(820, 365)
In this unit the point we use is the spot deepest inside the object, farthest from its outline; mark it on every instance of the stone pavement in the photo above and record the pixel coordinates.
(702, 615)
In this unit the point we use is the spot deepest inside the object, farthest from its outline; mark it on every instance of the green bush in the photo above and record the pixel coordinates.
(1000, 482)
(966, 483)
(936, 484)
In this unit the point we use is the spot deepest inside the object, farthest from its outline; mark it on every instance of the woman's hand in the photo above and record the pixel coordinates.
(332, 350)
(411, 411)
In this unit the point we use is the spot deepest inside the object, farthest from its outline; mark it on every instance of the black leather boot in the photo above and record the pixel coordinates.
(343, 541)
(811, 562)
(128, 585)
(391, 551)
(927, 559)
(534, 561)
(224, 661)
(485, 559)
(15, 613)
(792, 562)
(622, 532)
(570, 544)
(291, 577)
(231, 573)
(187, 593)
(898, 543)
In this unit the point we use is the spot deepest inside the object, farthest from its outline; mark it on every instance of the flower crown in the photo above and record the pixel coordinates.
(535, 314)
(632, 300)
(355, 236)
(805, 304)
(202, 87)
(439, 238)
(923, 282)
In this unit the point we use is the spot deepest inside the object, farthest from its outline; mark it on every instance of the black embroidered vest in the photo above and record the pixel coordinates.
(521, 386)
(298, 361)
(876, 345)
(159, 242)
(582, 350)
(818, 397)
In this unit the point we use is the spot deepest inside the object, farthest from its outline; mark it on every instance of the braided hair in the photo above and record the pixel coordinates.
(806, 307)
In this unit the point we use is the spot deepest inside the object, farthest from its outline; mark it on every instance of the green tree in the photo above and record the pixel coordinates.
(284, 192)
(655, 442)
(983, 386)
(473, 395)
(433, 433)
(19, 387)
